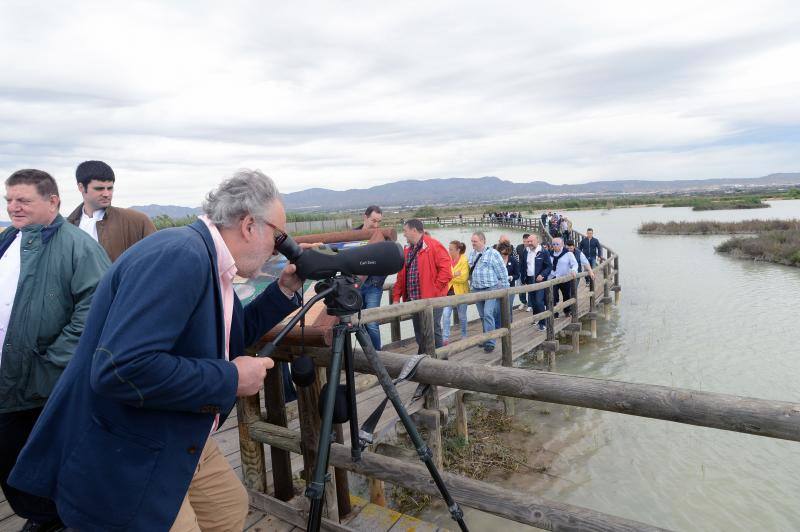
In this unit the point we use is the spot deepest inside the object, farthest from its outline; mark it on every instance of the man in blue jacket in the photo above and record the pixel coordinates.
(123, 443)
(536, 266)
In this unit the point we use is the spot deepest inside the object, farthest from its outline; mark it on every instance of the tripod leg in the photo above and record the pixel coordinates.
(422, 449)
(316, 489)
(355, 444)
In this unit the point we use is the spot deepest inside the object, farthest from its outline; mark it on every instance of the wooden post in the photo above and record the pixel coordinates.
(462, 428)
(576, 321)
(616, 280)
(395, 324)
(308, 411)
(505, 322)
(592, 308)
(432, 394)
(276, 414)
(342, 483)
(254, 470)
(551, 331)
(431, 420)
(606, 298)
(508, 355)
(377, 491)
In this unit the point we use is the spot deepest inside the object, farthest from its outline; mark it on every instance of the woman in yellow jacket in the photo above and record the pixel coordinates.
(458, 285)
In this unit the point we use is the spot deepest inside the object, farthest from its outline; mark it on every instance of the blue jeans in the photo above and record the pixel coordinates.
(447, 316)
(537, 298)
(372, 299)
(489, 311)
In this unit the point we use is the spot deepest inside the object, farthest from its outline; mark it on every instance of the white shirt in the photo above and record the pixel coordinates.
(531, 260)
(89, 223)
(9, 279)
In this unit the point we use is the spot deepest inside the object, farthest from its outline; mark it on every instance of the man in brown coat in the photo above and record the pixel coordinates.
(116, 229)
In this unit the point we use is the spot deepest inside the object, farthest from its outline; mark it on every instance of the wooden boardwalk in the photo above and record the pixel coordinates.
(524, 339)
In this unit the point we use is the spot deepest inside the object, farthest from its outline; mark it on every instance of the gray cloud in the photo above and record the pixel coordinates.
(177, 95)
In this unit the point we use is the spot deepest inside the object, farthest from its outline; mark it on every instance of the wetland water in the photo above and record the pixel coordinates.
(690, 318)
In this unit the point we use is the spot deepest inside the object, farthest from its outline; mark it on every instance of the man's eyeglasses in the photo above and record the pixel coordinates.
(280, 236)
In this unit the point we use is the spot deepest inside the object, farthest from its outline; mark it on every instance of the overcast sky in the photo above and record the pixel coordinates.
(175, 95)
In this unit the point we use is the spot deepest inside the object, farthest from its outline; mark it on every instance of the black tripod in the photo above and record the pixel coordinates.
(343, 299)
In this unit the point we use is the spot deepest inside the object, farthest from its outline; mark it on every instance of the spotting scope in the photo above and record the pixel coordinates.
(324, 262)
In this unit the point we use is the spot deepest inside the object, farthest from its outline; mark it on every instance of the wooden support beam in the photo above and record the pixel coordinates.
(575, 326)
(461, 416)
(505, 322)
(432, 420)
(606, 299)
(254, 469)
(550, 346)
(551, 332)
(276, 414)
(308, 409)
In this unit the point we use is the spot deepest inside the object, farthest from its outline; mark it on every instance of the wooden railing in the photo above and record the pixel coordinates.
(768, 418)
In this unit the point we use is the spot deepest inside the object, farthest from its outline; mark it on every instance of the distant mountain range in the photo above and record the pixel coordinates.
(412, 193)
(173, 211)
(409, 193)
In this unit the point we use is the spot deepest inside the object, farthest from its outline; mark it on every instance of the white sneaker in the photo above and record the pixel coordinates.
(529, 309)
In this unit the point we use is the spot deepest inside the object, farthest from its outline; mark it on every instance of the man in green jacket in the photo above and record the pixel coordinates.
(48, 272)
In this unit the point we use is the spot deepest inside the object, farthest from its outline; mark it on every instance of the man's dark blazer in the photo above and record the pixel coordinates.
(543, 266)
(122, 432)
(591, 248)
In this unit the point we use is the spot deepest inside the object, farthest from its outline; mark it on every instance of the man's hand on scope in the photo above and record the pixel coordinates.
(289, 282)
(252, 372)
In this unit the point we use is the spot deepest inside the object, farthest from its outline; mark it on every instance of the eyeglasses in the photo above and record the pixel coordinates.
(280, 236)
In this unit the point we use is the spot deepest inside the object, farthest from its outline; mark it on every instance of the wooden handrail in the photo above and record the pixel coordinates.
(761, 417)
(413, 307)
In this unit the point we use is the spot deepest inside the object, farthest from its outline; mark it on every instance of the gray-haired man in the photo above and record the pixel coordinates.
(124, 442)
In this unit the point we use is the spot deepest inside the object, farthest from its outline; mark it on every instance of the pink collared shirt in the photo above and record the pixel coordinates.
(226, 269)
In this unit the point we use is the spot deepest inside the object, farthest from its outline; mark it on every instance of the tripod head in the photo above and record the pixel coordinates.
(343, 294)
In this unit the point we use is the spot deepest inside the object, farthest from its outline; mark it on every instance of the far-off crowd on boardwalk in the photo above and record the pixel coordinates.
(123, 347)
(431, 270)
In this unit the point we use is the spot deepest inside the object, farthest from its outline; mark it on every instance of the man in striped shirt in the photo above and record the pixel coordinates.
(487, 272)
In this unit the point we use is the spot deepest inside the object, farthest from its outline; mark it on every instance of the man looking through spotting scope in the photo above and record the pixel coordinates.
(124, 443)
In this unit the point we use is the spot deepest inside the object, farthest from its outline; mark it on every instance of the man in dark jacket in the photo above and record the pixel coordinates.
(535, 266)
(124, 443)
(591, 247)
(116, 229)
(48, 273)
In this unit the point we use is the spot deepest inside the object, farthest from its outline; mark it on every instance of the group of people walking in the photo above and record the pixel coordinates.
(556, 225)
(431, 270)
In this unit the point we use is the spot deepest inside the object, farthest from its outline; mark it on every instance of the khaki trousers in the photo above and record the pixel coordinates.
(216, 501)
